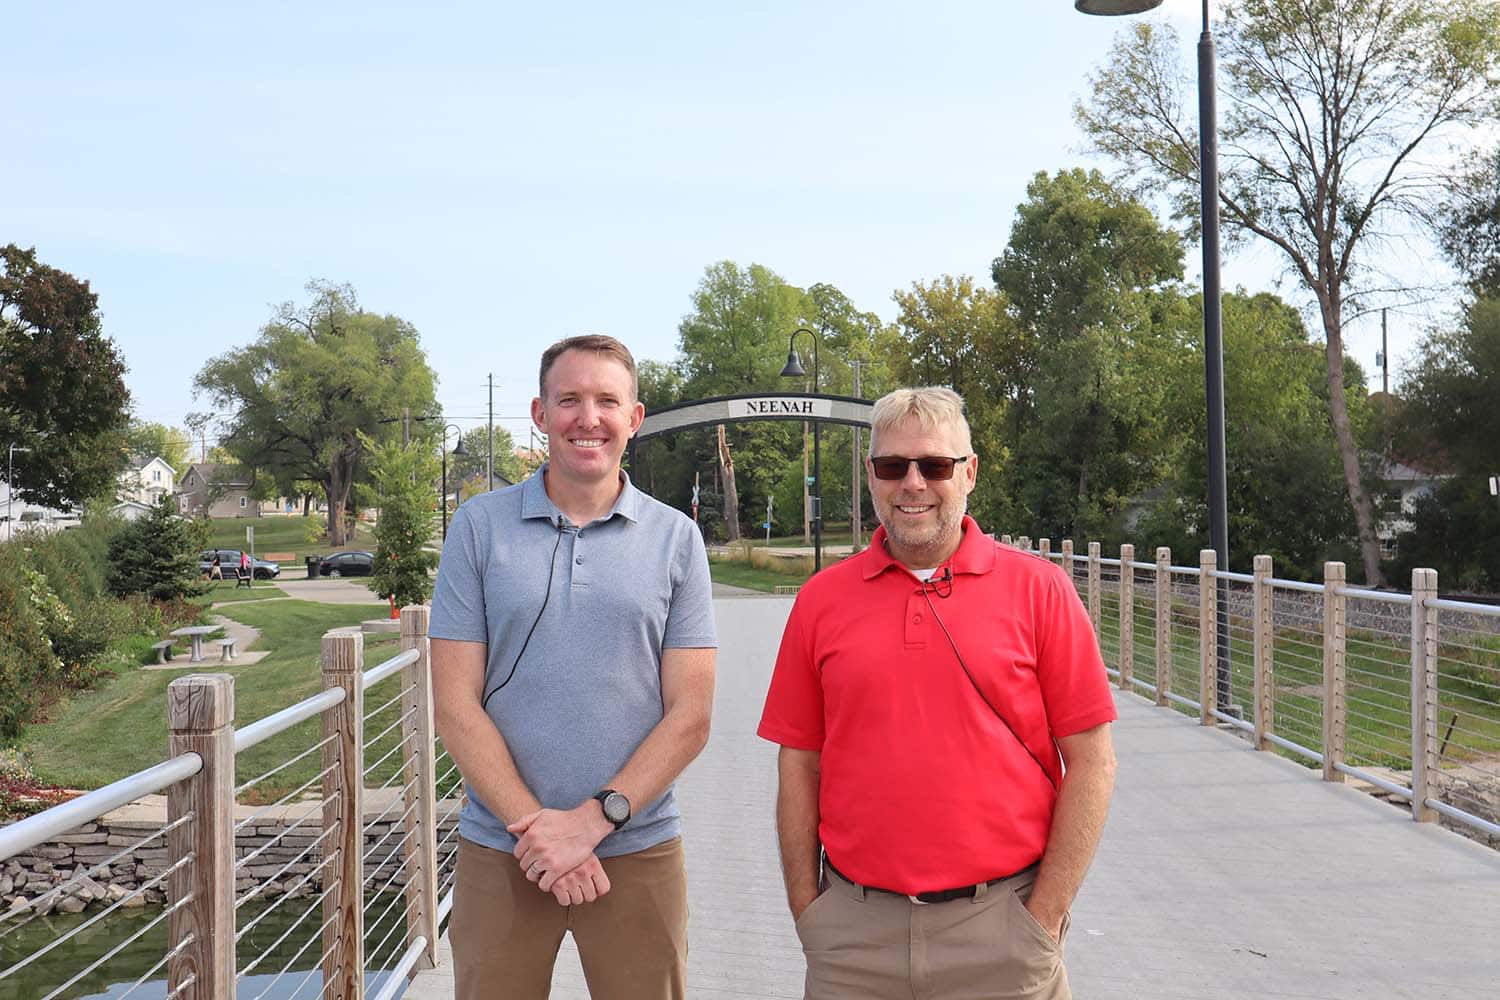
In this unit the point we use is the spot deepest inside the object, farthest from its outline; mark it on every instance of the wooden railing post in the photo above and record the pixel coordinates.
(1424, 643)
(419, 757)
(1094, 590)
(1004, 539)
(1044, 546)
(1335, 684)
(200, 711)
(343, 798)
(1265, 654)
(1067, 561)
(1024, 543)
(1127, 615)
(1163, 625)
(1208, 636)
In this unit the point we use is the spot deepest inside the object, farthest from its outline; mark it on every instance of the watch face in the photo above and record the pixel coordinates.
(616, 807)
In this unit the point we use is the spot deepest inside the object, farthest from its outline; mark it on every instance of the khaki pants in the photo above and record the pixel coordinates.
(632, 941)
(872, 945)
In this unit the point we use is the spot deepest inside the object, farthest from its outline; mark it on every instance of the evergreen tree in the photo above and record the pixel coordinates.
(157, 556)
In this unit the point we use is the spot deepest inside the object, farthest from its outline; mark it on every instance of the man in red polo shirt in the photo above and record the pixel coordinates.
(946, 764)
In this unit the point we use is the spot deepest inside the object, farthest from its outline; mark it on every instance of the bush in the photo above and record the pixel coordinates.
(157, 556)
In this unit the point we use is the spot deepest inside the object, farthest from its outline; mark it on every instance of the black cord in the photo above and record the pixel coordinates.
(933, 586)
(551, 568)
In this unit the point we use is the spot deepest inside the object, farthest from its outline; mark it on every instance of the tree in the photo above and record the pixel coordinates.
(157, 555)
(403, 476)
(299, 397)
(147, 439)
(1330, 103)
(1083, 277)
(1470, 226)
(476, 445)
(1451, 393)
(62, 388)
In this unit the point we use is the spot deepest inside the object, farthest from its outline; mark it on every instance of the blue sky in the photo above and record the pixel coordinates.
(503, 175)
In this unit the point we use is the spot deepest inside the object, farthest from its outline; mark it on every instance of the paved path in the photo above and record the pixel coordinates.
(1224, 874)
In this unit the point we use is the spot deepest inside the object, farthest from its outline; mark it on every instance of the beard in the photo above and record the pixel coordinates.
(946, 524)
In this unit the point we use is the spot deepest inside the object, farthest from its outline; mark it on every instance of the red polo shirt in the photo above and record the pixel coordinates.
(922, 787)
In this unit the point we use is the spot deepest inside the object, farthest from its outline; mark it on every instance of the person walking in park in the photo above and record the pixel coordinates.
(216, 569)
(573, 652)
(946, 764)
(244, 565)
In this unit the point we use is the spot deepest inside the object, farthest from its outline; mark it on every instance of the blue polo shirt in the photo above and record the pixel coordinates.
(587, 690)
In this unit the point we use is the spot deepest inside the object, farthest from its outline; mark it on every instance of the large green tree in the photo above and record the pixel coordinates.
(1329, 108)
(62, 388)
(402, 475)
(1470, 226)
(1083, 276)
(149, 439)
(296, 401)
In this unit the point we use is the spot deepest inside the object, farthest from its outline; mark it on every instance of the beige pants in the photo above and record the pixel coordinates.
(871, 945)
(632, 941)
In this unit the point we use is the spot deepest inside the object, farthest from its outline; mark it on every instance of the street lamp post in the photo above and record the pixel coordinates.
(794, 369)
(1213, 328)
(459, 450)
(10, 488)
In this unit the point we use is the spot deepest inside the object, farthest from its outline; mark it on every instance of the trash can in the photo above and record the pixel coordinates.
(312, 566)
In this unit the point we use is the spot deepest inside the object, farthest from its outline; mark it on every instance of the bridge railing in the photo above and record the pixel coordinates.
(335, 886)
(1400, 690)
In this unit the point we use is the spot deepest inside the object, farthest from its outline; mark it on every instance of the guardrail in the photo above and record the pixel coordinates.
(209, 873)
(1399, 690)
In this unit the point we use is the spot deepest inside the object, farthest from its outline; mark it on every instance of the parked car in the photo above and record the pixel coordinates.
(229, 564)
(347, 564)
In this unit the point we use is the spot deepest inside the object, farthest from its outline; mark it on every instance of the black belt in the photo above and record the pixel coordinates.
(939, 896)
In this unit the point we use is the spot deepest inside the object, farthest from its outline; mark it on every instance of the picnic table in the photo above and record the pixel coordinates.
(196, 634)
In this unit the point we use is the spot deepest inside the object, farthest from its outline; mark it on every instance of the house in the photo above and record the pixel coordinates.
(1401, 486)
(131, 510)
(146, 480)
(211, 489)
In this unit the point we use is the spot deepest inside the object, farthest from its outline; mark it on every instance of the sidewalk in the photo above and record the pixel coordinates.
(1224, 874)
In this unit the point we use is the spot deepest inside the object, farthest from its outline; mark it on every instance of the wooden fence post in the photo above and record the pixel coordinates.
(1424, 643)
(1335, 684)
(419, 757)
(343, 800)
(1004, 539)
(1163, 625)
(1127, 615)
(1044, 546)
(200, 711)
(1264, 654)
(1208, 635)
(1024, 543)
(1067, 561)
(1094, 591)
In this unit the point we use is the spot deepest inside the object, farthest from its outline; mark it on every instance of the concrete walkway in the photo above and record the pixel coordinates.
(1224, 873)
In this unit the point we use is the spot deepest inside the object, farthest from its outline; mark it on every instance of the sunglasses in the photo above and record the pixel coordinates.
(932, 467)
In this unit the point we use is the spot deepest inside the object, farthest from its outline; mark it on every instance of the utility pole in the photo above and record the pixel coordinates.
(1385, 358)
(854, 485)
(489, 460)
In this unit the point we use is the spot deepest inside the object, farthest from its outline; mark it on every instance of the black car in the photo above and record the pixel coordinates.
(229, 564)
(347, 564)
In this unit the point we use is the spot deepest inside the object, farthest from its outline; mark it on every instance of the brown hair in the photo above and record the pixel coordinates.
(599, 344)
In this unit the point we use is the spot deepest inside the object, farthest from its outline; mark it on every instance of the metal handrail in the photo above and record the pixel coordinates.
(264, 729)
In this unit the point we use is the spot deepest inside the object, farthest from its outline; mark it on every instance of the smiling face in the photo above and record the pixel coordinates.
(923, 519)
(588, 412)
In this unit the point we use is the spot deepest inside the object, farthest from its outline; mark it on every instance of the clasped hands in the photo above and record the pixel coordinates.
(556, 850)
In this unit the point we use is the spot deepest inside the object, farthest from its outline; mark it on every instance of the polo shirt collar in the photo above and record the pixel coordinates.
(535, 503)
(975, 553)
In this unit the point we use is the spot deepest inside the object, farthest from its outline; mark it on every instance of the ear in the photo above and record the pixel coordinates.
(637, 414)
(971, 473)
(539, 414)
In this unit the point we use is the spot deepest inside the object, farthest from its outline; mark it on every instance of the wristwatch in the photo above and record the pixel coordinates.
(616, 807)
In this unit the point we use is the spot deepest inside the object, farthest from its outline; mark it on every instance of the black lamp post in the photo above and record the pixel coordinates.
(458, 449)
(1213, 329)
(794, 369)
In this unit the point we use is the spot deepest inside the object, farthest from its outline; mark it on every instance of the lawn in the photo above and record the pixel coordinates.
(102, 735)
(739, 574)
(225, 591)
(282, 534)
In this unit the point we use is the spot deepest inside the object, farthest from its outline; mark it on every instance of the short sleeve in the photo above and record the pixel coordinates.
(1075, 686)
(458, 610)
(793, 714)
(690, 617)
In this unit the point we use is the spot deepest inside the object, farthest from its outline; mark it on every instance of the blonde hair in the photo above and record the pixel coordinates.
(931, 406)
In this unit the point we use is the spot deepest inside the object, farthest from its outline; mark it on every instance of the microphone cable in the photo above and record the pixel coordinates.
(929, 587)
(551, 569)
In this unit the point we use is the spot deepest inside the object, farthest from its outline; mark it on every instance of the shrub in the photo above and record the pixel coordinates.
(157, 556)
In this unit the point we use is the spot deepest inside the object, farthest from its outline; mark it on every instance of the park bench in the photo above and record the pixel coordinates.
(242, 578)
(226, 649)
(163, 650)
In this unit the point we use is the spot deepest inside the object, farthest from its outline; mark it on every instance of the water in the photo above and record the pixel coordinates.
(288, 936)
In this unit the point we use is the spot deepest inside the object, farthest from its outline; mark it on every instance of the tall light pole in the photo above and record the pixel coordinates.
(1213, 327)
(794, 369)
(10, 488)
(459, 450)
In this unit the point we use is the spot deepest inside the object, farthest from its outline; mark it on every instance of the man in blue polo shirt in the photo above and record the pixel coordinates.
(573, 650)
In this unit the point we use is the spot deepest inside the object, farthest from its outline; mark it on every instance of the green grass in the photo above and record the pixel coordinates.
(738, 574)
(281, 534)
(120, 727)
(832, 535)
(225, 591)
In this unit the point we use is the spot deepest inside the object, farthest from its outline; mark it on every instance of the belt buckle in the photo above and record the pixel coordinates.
(918, 902)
